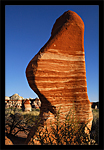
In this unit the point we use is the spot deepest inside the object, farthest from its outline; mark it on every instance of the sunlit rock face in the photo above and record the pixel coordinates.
(27, 105)
(57, 72)
(8, 141)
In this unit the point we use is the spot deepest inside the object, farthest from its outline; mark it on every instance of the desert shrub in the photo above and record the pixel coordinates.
(95, 125)
(95, 130)
(16, 121)
(30, 120)
(20, 110)
(34, 109)
(66, 133)
(13, 121)
(37, 109)
(95, 114)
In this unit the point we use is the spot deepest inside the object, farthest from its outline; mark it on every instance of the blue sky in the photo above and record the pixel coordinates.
(28, 28)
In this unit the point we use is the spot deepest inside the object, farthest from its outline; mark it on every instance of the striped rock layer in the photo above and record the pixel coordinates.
(27, 105)
(57, 73)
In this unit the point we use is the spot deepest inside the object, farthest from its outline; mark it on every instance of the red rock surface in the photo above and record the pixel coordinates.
(57, 72)
(27, 102)
(8, 141)
(27, 105)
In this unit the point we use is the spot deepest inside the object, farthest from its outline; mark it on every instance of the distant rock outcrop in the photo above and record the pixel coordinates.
(16, 97)
(18, 101)
(7, 98)
(34, 105)
(27, 105)
(57, 72)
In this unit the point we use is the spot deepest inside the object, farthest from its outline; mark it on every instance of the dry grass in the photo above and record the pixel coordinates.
(33, 113)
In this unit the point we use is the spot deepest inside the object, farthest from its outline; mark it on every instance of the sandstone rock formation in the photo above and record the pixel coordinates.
(34, 105)
(16, 97)
(8, 141)
(57, 72)
(38, 102)
(18, 101)
(27, 105)
(7, 98)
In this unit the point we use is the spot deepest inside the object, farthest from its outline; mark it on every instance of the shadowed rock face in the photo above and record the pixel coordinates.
(57, 73)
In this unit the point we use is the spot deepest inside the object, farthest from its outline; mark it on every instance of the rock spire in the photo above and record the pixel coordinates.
(57, 73)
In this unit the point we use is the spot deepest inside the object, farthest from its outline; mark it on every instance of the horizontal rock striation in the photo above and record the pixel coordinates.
(57, 73)
(27, 105)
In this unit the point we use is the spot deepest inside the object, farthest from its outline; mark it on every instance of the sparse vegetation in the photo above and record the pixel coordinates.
(17, 119)
(95, 125)
(67, 133)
